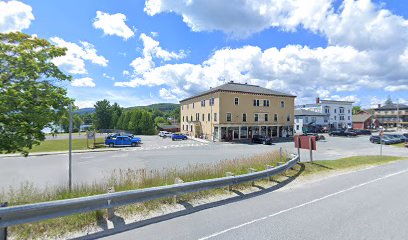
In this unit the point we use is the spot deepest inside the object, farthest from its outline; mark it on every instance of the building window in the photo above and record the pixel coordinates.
(203, 119)
(326, 110)
(313, 119)
(288, 118)
(256, 117)
(266, 117)
(297, 127)
(244, 117)
(266, 103)
(202, 103)
(209, 117)
(341, 110)
(215, 117)
(183, 127)
(197, 117)
(306, 119)
(211, 101)
(191, 128)
(282, 104)
(335, 110)
(183, 120)
(349, 112)
(335, 118)
(348, 117)
(275, 117)
(256, 102)
(236, 101)
(341, 117)
(191, 118)
(325, 119)
(193, 105)
(228, 117)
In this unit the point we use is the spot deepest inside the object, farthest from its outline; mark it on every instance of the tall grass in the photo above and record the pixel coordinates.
(122, 180)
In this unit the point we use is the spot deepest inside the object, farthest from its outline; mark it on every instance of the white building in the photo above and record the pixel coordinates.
(340, 112)
(305, 119)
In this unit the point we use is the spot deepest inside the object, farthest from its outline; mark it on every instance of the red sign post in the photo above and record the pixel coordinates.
(305, 142)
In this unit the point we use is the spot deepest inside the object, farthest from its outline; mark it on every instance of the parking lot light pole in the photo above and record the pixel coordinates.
(70, 149)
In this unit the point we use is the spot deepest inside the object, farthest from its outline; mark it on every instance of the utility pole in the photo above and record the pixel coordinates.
(70, 148)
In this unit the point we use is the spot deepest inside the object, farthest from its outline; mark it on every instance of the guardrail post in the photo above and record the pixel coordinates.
(111, 211)
(269, 167)
(229, 174)
(177, 180)
(251, 170)
(3, 231)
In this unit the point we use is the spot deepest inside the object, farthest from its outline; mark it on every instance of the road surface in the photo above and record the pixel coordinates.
(157, 153)
(366, 204)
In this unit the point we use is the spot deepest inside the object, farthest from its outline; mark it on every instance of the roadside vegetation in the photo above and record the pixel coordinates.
(130, 179)
(58, 145)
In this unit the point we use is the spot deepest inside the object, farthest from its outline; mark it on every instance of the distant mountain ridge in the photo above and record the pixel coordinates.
(164, 107)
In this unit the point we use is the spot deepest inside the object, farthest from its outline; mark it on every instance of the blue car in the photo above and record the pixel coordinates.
(178, 136)
(122, 141)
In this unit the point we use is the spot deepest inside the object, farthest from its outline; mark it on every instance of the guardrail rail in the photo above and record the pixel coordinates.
(35, 212)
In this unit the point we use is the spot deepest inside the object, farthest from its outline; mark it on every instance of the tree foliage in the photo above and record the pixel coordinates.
(103, 114)
(356, 109)
(31, 97)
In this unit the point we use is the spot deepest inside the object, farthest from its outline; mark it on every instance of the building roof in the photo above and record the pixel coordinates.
(242, 88)
(392, 106)
(334, 101)
(166, 127)
(361, 117)
(304, 112)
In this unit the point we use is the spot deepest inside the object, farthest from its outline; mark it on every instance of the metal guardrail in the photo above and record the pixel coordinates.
(10, 216)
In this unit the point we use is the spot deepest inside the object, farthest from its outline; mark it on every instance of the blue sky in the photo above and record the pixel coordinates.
(137, 53)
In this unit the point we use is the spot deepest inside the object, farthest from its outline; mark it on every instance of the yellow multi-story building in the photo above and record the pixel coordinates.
(237, 111)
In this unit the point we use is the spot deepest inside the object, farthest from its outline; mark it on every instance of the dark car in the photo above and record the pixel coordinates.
(402, 137)
(261, 139)
(342, 133)
(396, 137)
(318, 137)
(178, 136)
(385, 140)
(362, 132)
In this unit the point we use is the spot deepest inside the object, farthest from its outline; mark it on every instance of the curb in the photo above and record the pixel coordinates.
(199, 140)
(60, 153)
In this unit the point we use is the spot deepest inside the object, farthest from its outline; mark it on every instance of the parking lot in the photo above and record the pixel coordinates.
(157, 154)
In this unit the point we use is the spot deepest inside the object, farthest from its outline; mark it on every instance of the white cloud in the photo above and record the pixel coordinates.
(15, 16)
(152, 48)
(154, 34)
(125, 73)
(85, 103)
(167, 94)
(141, 65)
(113, 24)
(108, 77)
(83, 82)
(396, 88)
(74, 60)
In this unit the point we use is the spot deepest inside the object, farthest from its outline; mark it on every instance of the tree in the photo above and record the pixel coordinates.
(30, 94)
(103, 114)
(116, 112)
(356, 109)
(388, 101)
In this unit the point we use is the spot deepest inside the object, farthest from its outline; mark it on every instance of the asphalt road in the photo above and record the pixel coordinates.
(158, 153)
(366, 204)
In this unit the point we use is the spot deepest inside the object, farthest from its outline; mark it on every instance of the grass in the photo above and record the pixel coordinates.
(402, 145)
(62, 145)
(131, 179)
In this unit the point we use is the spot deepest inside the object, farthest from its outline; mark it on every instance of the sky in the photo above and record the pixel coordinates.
(143, 52)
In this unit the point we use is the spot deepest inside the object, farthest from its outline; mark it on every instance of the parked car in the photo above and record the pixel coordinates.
(362, 131)
(342, 133)
(400, 136)
(318, 137)
(262, 139)
(377, 139)
(178, 136)
(122, 141)
(167, 134)
(397, 138)
(393, 140)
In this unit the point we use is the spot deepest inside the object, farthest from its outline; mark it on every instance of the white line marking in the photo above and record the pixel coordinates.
(303, 204)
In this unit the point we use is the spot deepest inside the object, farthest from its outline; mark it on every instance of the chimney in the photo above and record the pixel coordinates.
(318, 100)
(379, 105)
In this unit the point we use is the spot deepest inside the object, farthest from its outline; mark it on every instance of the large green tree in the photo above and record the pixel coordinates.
(103, 114)
(31, 93)
(116, 112)
(356, 109)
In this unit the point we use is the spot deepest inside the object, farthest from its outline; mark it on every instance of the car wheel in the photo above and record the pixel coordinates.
(111, 145)
(134, 144)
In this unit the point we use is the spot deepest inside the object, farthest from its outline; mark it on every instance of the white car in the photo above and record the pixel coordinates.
(167, 134)
(161, 133)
